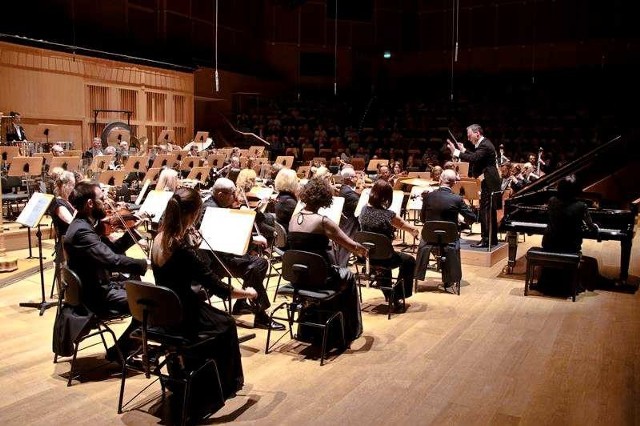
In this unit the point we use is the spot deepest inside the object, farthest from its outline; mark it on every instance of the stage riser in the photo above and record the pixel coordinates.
(477, 257)
(16, 239)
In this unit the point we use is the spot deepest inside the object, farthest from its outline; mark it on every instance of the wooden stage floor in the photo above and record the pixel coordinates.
(489, 356)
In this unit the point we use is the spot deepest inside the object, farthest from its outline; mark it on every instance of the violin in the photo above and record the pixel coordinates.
(121, 219)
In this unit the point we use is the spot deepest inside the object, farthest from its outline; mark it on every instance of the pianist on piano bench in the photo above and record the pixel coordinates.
(567, 218)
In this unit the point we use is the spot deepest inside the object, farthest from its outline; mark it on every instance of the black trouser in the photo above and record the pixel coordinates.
(488, 212)
(252, 270)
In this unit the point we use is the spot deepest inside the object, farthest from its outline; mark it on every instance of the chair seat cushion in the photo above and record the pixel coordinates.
(320, 294)
(539, 255)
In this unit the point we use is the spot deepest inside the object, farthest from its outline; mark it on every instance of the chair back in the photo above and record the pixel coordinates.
(153, 305)
(280, 240)
(439, 232)
(304, 270)
(71, 287)
(380, 246)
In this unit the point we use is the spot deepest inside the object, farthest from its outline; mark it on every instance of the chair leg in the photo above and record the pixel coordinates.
(73, 362)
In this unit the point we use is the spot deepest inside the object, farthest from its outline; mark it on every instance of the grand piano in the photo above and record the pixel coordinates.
(611, 187)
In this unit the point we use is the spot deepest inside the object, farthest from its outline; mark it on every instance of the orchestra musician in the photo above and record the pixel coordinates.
(310, 231)
(568, 218)
(286, 183)
(483, 163)
(94, 258)
(250, 267)
(384, 173)
(349, 223)
(442, 204)
(61, 211)
(376, 217)
(57, 150)
(168, 180)
(176, 265)
(96, 149)
(15, 131)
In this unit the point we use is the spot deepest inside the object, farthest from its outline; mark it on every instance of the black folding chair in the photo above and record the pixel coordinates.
(439, 234)
(307, 274)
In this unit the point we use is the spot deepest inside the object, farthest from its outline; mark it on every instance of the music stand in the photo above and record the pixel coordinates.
(8, 153)
(284, 160)
(166, 136)
(73, 153)
(152, 174)
(30, 217)
(46, 157)
(136, 164)
(375, 164)
(199, 173)
(201, 139)
(112, 177)
(67, 163)
(189, 163)
(256, 151)
(226, 152)
(216, 160)
(100, 163)
(163, 160)
(303, 171)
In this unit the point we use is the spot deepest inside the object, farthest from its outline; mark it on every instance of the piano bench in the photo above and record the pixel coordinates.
(538, 257)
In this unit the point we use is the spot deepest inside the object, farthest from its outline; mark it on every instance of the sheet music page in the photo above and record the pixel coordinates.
(364, 199)
(143, 191)
(396, 203)
(35, 209)
(415, 198)
(227, 230)
(155, 204)
(333, 212)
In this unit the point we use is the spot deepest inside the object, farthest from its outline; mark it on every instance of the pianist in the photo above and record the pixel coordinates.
(568, 217)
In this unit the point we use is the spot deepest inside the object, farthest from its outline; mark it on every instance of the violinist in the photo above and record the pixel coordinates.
(61, 211)
(251, 268)
(349, 223)
(176, 265)
(93, 259)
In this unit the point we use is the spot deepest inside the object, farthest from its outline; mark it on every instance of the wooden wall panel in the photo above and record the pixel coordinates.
(60, 91)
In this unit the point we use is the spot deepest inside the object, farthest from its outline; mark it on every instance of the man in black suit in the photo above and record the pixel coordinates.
(442, 204)
(349, 223)
(484, 165)
(15, 131)
(96, 149)
(93, 259)
(251, 268)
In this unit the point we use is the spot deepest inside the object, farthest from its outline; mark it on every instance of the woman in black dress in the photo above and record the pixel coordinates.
(177, 266)
(376, 217)
(286, 183)
(310, 231)
(61, 212)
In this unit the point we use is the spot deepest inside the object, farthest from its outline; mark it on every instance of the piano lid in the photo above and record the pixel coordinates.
(226, 133)
(589, 169)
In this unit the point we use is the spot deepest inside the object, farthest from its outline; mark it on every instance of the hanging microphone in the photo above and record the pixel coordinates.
(217, 80)
(455, 55)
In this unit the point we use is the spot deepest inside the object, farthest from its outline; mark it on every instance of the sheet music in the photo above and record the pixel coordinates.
(35, 209)
(143, 191)
(333, 212)
(155, 204)
(227, 230)
(396, 203)
(415, 198)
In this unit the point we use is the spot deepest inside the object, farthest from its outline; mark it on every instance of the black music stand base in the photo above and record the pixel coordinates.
(43, 305)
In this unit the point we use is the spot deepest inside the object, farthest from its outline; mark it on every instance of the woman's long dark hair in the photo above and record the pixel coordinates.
(183, 207)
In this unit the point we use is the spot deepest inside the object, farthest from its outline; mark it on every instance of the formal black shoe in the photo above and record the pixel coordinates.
(481, 244)
(450, 288)
(265, 325)
(241, 307)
